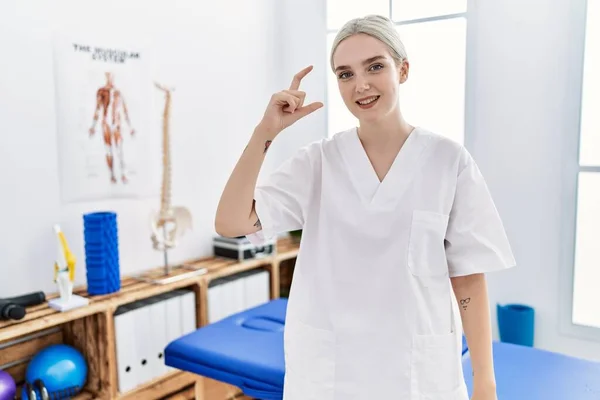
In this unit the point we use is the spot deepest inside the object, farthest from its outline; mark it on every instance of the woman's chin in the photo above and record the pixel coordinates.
(368, 117)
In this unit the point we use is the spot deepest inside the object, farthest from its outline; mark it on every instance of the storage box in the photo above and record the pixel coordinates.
(241, 249)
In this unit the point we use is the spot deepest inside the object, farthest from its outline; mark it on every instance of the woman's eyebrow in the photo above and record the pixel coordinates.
(367, 61)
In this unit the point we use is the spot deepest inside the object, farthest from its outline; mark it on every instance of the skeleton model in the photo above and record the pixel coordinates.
(170, 222)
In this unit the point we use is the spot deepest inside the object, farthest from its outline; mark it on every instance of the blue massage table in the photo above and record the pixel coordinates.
(246, 350)
(533, 374)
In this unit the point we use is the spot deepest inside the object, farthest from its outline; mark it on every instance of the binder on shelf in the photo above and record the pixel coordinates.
(237, 294)
(215, 298)
(127, 369)
(232, 294)
(172, 322)
(257, 288)
(158, 335)
(143, 341)
(144, 328)
(188, 311)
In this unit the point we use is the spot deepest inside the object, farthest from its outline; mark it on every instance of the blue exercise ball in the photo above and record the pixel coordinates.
(61, 368)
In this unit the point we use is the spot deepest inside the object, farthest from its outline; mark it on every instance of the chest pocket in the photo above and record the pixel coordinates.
(426, 251)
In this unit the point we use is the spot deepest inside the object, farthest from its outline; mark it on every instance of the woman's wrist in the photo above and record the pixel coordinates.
(484, 381)
(265, 133)
(261, 138)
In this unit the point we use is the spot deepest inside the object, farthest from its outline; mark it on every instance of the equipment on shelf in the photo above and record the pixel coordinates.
(64, 276)
(101, 236)
(241, 249)
(14, 307)
(8, 387)
(170, 222)
(56, 372)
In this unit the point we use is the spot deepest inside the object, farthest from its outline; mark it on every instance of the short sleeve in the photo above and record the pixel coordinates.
(282, 199)
(476, 241)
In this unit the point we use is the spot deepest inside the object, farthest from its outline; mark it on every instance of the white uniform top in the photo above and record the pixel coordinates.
(371, 313)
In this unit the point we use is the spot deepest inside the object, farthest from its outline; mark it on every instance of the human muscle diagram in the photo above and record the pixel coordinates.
(108, 145)
(111, 109)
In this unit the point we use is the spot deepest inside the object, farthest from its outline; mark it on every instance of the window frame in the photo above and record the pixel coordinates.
(570, 178)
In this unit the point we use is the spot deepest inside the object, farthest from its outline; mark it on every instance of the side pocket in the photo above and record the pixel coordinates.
(309, 358)
(426, 251)
(436, 371)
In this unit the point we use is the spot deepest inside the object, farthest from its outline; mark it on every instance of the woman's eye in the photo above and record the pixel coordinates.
(344, 75)
(377, 67)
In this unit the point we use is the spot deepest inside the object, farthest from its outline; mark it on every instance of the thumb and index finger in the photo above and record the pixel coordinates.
(295, 85)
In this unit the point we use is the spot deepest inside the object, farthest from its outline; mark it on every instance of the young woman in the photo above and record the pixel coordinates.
(398, 229)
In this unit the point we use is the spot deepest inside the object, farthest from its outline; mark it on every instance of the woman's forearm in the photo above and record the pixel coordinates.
(471, 294)
(235, 213)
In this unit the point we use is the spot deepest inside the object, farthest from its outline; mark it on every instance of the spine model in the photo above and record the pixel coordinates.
(170, 222)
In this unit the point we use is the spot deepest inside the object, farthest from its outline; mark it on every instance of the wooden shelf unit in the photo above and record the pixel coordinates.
(91, 329)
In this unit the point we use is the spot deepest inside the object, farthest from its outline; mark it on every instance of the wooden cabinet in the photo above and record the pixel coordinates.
(90, 329)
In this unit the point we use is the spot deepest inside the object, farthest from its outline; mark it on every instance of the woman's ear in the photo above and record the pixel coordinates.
(404, 71)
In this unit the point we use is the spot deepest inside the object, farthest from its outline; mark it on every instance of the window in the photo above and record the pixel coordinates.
(434, 34)
(586, 272)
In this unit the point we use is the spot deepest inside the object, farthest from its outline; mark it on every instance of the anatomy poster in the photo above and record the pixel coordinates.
(108, 137)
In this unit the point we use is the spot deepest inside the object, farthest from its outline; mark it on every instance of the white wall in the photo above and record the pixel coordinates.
(224, 58)
(523, 87)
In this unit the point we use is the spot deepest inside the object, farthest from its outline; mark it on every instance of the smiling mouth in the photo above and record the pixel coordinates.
(367, 102)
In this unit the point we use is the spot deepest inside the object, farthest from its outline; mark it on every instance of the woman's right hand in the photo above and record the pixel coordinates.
(287, 107)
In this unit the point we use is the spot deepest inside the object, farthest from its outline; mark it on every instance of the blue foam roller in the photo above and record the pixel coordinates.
(102, 252)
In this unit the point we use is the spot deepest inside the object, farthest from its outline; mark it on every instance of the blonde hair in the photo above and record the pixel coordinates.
(377, 26)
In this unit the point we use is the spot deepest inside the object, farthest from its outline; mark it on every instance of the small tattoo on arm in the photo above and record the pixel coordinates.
(267, 144)
(465, 302)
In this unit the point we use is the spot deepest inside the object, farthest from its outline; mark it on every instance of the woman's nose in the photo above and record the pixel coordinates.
(361, 85)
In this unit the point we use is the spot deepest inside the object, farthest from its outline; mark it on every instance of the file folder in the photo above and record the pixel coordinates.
(157, 335)
(236, 293)
(257, 289)
(215, 300)
(144, 328)
(143, 341)
(188, 311)
(125, 347)
(173, 322)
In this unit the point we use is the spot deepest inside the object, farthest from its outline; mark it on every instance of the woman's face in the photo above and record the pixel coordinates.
(368, 77)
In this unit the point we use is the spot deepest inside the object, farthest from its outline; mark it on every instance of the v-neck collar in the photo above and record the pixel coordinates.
(384, 193)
